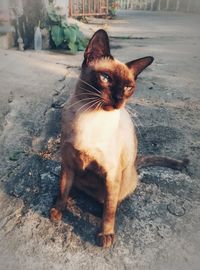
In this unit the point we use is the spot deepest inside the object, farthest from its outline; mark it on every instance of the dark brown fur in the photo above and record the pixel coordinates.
(162, 161)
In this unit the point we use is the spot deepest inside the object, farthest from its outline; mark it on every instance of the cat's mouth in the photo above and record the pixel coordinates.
(113, 105)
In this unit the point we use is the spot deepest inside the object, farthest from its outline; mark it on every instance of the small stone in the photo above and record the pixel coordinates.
(175, 209)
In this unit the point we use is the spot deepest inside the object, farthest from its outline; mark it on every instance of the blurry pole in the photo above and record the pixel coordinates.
(177, 5)
(188, 5)
(159, 5)
(147, 2)
(152, 2)
(167, 5)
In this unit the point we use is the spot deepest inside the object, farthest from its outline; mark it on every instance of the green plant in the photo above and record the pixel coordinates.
(112, 8)
(64, 35)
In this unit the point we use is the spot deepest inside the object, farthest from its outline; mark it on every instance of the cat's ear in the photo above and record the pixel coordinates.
(138, 65)
(98, 47)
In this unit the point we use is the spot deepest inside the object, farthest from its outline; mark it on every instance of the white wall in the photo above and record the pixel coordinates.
(174, 5)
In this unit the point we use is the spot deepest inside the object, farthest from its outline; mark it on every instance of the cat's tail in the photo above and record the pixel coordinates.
(161, 161)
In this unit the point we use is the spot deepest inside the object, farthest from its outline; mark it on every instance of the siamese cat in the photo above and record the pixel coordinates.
(98, 138)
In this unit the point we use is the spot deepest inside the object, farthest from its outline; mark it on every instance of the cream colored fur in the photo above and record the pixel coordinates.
(109, 138)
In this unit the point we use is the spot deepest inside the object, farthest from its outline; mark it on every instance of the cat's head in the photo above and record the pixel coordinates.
(104, 78)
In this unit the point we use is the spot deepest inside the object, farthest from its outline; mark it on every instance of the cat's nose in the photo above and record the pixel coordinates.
(117, 98)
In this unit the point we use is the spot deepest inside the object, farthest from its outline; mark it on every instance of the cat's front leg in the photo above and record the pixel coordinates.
(66, 179)
(107, 234)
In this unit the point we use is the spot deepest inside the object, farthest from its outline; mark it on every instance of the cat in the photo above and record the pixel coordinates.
(98, 138)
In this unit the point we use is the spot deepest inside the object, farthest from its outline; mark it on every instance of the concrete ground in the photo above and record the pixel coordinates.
(158, 227)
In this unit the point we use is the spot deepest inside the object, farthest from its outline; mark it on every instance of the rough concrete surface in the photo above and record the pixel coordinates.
(158, 227)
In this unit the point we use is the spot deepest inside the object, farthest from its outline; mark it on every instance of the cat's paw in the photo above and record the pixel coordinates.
(55, 215)
(106, 240)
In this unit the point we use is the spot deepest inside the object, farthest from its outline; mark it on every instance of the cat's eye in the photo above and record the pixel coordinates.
(104, 77)
(128, 89)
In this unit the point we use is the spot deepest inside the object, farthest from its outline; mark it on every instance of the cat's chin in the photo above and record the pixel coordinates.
(113, 107)
(108, 108)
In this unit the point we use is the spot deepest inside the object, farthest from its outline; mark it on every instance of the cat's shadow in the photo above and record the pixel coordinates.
(85, 216)
(36, 182)
(37, 185)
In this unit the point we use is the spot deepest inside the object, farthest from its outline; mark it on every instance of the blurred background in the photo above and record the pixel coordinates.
(19, 19)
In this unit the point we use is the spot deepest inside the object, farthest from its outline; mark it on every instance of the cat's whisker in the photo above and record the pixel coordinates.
(140, 134)
(89, 91)
(83, 106)
(88, 107)
(135, 114)
(132, 112)
(138, 129)
(79, 101)
(135, 117)
(90, 86)
(99, 106)
(135, 123)
(91, 106)
(88, 94)
(131, 108)
(86, 104)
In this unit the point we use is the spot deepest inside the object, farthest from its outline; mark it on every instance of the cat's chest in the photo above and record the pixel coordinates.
(97, 132)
